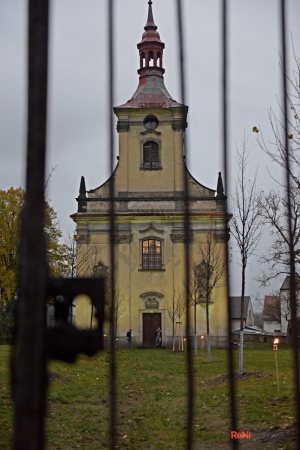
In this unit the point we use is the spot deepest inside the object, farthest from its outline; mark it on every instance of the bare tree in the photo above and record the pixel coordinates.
(119, 306)
(210, 273)
(245, 226)
(171, 307)
(274, 212)
(195, 298)
(270, 307)
(175, 309)
(276, 150)
(79, 257)
(278, 207)
(101, 269)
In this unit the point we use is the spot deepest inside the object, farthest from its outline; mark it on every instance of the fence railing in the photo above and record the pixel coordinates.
(29, 378)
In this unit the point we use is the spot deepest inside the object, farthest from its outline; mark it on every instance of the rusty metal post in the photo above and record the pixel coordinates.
(29, 358)
(113, 360)
(293, 295)
(187, 235)
(232, 388)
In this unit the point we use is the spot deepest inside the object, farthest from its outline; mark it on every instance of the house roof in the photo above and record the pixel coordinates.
(235, 303)
(286, 284)
(253, 329)
(270, 301)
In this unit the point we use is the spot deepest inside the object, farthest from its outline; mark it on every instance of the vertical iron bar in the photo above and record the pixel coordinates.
(113, 368)
(293, 299)
(29, 360)
(232, 390)
(189, 360)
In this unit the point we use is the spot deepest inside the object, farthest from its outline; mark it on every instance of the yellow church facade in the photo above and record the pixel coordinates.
(149, 215)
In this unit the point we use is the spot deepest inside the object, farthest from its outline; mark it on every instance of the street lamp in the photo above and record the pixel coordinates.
(202, 345)
(275, 348)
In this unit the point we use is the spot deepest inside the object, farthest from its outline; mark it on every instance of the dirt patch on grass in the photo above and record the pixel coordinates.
(272, 438)
(55, 376)
(244, 376)
(212, 362)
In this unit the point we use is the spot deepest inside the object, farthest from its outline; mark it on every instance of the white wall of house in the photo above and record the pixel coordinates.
(285, 302)
(271, 326)
(236, 323)
(285, 309)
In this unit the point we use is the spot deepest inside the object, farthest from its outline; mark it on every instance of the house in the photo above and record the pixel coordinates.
(285, 310)
(271, 314)
(248, 318)
(149, 212)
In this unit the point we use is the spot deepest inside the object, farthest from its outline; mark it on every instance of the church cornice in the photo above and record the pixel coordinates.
(146, 132)
(123, 238)
(151, 228)
(179, 124)
(180, 238)
(147, 294)
(122, 126)
(145, 197)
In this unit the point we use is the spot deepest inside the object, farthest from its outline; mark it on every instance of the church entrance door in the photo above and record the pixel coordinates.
(150, 323)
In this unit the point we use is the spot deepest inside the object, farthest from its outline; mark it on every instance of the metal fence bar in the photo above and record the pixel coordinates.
(293, 296)
(29, 359)
(232, 387)
(111, 131)
(189, 359)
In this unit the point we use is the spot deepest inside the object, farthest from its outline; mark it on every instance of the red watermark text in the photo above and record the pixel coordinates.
(242, 435)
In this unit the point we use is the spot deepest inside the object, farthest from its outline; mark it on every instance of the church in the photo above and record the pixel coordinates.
(149, 214)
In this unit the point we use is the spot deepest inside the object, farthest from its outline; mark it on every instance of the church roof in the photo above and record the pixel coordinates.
(151, 93)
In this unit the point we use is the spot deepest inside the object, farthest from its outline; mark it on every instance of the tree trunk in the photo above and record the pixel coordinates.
(195, 328)
(241, 350)
(174, 337)
(208, 349)
(207, 330)
(173, 323)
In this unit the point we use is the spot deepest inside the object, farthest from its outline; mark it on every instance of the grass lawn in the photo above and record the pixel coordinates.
(152, 397)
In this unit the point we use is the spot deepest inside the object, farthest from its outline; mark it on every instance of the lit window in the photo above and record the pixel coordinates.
(151, 253)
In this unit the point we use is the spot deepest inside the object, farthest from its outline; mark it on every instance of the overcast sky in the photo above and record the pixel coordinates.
(78, 114)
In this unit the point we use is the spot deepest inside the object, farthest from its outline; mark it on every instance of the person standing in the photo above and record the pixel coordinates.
(158, 337)
(128, 337)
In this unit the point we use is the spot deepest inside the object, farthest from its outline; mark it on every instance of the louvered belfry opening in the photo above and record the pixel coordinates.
(151, 156)
(29, 368)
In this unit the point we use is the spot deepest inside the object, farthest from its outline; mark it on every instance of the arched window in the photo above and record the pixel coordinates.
(159, 59)
(151, 58)
(151, 255)
(150, 155)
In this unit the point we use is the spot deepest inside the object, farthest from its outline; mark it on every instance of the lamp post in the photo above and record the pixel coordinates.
(202, 346)
(275, 348)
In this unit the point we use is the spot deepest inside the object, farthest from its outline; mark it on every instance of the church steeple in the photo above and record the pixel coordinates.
(151, 47)
(151, 91)
(150, 21)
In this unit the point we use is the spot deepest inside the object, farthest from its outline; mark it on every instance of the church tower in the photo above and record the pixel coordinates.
(149, 212)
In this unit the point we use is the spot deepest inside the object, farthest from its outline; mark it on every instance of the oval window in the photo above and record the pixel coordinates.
(151, 122)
